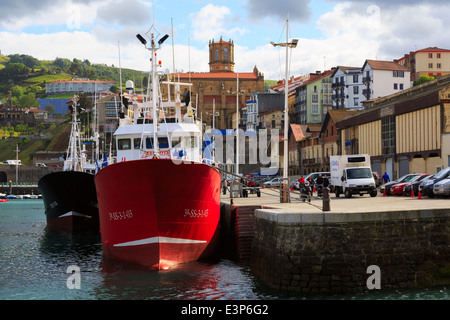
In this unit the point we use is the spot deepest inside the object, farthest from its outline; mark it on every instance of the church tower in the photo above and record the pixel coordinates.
(221, 56)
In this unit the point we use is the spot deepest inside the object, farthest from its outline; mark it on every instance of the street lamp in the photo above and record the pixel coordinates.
(287, 44)
(237, 93)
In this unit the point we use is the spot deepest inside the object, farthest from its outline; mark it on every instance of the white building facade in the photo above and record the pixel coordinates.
(78, 86)
(383, 78)
(347, 88)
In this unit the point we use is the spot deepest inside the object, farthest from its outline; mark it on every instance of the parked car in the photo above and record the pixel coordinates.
(388, 185)
(426, 187)
(315, 175)
(399, 188)
(415, 185)
(377, 178)
(275, 182)
(442, 188)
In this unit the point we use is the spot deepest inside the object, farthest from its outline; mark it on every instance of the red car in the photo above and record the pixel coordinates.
(398, 188)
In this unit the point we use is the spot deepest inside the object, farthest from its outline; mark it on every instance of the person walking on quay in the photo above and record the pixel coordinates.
(385, 178)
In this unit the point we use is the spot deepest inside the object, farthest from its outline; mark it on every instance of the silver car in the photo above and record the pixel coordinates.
(442, 188)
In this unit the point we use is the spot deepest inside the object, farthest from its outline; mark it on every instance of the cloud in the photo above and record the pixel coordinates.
(299, 10)
(124, 13)
(214, 21)
(73, 14)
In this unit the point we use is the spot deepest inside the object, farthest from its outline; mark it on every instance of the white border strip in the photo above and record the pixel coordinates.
(158, 240)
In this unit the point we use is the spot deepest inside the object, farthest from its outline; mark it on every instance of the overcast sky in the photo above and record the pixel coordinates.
(331, 32)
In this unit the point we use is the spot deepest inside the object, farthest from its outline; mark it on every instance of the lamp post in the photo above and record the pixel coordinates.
(237, 121)
(287, 44)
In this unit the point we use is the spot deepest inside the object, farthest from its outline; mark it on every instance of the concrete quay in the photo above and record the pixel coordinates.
(356, 208)
(297, 247)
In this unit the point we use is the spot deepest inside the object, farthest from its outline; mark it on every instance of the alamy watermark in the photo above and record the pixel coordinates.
(374, 281)
(74, 280)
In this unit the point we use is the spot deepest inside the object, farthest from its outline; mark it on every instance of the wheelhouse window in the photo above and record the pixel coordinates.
(163, 143)
(149, 143)
(124, 144)
(176, 142)
(137, 143)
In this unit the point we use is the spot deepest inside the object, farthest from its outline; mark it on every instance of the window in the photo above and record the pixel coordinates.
(355, 102)
(225, 54)
(355, 78)
(149, 143)
(163, 143)
(355, 90)
(217, 54)
(438, 55)
(124, 144)
(401, 86)
(388, 135)
(430, 66)
(430, 55)
(438, 65)
(137, 143)
(395, 86)
(315, 109)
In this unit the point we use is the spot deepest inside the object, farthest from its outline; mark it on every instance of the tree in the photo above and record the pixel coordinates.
(50, 108)
(422, 80)
(14, 71)
(28, 101)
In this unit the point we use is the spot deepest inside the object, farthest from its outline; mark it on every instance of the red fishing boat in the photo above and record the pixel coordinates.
(159, 204)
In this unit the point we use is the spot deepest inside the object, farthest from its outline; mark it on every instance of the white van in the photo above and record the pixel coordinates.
(351, 174)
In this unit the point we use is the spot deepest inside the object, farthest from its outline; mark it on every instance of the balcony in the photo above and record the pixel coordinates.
(338, 84)
(338, 96)
(367, 80)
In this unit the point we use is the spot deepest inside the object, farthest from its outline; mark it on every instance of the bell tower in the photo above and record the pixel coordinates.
(221, 56)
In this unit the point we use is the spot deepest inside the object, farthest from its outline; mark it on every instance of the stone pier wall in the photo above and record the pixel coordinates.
(330, 253)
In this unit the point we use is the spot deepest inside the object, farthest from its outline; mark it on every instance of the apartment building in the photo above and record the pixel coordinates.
(78, 86)
(348, 88)
(383, 78)
(314, 98)
(431, 61)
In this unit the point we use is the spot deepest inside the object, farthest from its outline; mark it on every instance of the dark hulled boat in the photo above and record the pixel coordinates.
(70, 196)
(70, 201)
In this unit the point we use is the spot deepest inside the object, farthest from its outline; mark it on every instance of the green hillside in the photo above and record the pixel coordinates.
(26, 77)
(60, 138)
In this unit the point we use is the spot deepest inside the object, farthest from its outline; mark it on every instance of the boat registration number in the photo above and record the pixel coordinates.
(196, 213)
(120, 215)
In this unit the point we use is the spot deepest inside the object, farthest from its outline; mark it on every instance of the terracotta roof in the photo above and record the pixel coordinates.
(385, 65)
(433, 49)
(425, 50)
(314, 127)
(343, 68)
(299, 131)
(293, 83)
(217, 75)
(341, 114)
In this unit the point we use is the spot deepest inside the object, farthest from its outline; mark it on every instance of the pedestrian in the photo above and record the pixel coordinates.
(301, 180)
(326, 182)
(385, 178)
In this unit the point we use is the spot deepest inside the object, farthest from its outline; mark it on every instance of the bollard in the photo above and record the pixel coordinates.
(326, 199)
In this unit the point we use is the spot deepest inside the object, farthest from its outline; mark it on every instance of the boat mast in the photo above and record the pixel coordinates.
(154, 95)
(154, 77)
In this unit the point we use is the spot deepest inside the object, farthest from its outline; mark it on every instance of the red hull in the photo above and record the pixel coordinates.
(157, 213)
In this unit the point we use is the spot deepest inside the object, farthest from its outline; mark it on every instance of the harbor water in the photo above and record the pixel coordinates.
(39, 264)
